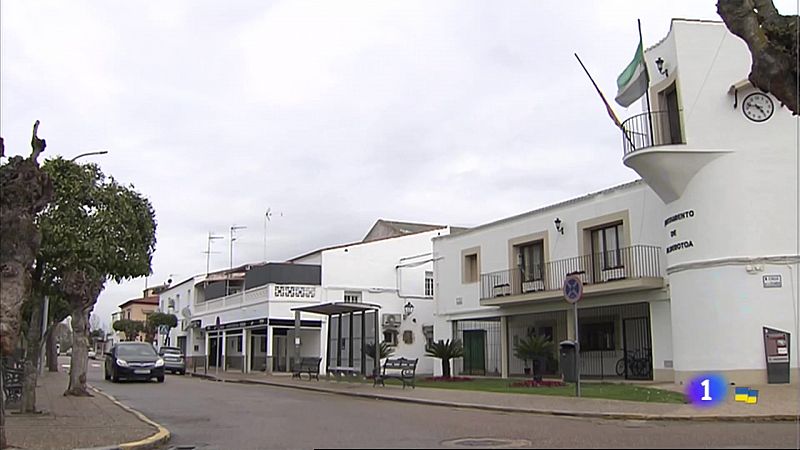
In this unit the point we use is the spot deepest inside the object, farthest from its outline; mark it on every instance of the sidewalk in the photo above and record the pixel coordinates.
(775, 402)
(72, 422)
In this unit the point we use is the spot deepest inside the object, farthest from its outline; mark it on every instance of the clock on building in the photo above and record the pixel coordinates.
(758, 107)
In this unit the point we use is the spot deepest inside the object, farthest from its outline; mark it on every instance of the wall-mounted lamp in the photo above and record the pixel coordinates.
(408, 309)
(660, 66)
(559, 228)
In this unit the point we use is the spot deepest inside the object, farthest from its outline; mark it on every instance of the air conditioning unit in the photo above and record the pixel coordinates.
(391, 320)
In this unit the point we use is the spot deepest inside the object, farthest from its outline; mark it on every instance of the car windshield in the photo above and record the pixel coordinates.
(135, 350)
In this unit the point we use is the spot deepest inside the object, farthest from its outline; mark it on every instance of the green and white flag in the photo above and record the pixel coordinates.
(632, 83)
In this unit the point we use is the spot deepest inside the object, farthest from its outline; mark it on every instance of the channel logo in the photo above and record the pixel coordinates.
(746, 395)
(707, 390)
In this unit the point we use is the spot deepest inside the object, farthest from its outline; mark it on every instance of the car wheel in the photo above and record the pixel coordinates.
(160, 379)
(182, 372)
(114, 376)
(106, 375)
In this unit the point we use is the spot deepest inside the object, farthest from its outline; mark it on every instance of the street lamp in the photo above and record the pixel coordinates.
(99, 152)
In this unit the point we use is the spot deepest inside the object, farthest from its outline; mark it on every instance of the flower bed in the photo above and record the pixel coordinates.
(448, 379)
(543, 383)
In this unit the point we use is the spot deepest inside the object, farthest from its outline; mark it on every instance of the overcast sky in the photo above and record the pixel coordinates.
(332, 113)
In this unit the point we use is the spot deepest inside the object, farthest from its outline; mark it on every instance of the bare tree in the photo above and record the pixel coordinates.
(773, 42)
(26, 190)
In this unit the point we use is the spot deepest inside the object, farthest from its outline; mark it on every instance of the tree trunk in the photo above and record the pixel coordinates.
(446, 368)
(51, 352)
(33, 340)
(79, 361)
(2, 413)
(26, 191)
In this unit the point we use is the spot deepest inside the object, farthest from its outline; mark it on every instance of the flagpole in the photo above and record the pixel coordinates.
(603, 97)
(647, 91)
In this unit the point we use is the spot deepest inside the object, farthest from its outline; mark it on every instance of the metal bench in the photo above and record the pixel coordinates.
(309, 365)
(13, 373)
(402, 369)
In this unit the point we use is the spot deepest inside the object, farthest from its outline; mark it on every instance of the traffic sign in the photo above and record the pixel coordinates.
(573, 288)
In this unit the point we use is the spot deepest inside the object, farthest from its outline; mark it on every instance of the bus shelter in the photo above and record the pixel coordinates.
(352, 327)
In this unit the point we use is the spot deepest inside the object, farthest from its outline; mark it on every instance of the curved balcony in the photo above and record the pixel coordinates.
(649, 129)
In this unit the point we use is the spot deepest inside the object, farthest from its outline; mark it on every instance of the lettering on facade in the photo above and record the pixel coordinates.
(680, 216)
(673, 233)
(295, 291)
(679, 246)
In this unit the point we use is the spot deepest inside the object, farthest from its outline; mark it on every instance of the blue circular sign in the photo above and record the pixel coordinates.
(573, 288)
(707, 390)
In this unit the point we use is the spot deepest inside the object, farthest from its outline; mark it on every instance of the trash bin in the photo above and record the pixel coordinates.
(567, 360)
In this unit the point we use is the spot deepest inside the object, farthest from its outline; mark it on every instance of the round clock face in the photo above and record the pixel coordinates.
(758, 107)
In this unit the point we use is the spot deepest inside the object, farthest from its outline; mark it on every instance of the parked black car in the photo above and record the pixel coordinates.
(173, 360)
(133, 360)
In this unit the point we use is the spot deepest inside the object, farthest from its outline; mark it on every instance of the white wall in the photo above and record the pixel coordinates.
(745, 206)
(372, 269)
(645, 210)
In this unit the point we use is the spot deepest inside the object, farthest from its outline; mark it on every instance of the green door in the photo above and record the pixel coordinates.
(474, 352)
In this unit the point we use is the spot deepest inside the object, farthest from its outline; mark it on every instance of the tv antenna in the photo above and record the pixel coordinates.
(208, 252)
(267, 218)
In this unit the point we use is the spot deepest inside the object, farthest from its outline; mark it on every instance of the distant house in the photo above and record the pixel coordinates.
(138, 309)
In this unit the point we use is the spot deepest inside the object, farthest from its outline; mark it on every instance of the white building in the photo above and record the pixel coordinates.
(392, 267)
(250, 328)
(684, 269)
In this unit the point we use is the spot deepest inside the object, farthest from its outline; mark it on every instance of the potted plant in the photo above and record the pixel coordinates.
(535, 349)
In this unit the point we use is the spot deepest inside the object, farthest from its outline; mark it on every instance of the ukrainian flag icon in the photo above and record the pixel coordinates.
(752, 396)
(742, 394)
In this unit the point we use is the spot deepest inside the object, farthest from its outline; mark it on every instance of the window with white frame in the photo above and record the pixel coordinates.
(352, 297)
(429, 284)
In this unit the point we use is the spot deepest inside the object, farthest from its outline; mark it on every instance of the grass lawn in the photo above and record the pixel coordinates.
(611, 391)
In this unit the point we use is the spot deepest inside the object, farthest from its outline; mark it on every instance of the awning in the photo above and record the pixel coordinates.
(332, 309)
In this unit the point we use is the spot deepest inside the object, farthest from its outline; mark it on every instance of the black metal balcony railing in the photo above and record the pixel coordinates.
(638, 261)
(650, 129)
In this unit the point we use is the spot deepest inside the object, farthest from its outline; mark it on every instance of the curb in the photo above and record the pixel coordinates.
(162, 436)
(510, 409)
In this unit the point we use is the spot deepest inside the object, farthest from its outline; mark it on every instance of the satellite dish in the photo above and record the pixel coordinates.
(186, 313)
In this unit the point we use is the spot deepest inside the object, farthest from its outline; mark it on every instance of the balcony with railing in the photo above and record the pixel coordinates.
(626, 269)
(270, 292)
(650, 129)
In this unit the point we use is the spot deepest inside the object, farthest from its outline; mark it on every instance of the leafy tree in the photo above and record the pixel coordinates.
(157, 320)
(386, 350)
(772, 40)
(535, 349)
(94, 230)
(131, 328)
(445, 350)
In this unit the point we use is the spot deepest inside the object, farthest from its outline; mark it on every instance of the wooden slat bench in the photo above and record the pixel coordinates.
(309, 365)
(402, 369)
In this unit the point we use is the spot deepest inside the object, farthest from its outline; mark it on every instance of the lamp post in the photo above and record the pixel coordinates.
(99, 152)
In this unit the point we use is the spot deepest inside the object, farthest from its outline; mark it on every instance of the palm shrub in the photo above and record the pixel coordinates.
(534, 349)
(385, 349)
(445, 350)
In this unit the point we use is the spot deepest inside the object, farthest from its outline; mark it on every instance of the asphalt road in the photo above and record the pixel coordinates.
(208, 415)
